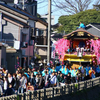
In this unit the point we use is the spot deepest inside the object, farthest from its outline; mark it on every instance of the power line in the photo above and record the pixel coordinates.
(42, 6)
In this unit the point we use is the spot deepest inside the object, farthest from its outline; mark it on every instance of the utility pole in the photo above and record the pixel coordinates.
(49, 30)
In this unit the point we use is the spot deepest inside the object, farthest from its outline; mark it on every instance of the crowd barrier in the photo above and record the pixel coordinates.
(47, 93)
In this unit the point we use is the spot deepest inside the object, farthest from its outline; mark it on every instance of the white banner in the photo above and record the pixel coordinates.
(0, 25)
(53, 51)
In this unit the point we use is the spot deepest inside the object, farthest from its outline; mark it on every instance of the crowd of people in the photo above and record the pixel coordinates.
(30, 79)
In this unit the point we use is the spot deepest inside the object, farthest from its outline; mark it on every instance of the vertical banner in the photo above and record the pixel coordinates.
(53, 51)
(0, 26)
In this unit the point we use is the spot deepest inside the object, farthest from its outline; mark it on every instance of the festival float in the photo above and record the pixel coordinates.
(79, 47)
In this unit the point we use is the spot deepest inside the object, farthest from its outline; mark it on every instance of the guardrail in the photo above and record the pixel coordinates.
(47, 93)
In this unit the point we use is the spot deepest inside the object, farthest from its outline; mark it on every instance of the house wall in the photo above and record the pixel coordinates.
(40, 26)
(42, 51)
(10, 31)
(11, 61)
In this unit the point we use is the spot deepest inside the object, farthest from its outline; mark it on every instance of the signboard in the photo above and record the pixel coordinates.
(17, 45)
(53, 51)
(80, 34)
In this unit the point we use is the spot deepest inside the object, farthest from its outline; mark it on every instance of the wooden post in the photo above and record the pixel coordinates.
(39, 95)
(53, 93)
(24, 96)
(65, 89)
(30, 94)
(92, 83)
(71, 89)
(44, 94)
(61, 91)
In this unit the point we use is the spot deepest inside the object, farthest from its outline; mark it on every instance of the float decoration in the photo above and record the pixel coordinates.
(61, 47)
(95, 47)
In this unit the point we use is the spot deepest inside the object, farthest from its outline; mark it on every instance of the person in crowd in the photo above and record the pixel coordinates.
(83, 73)
(68, 79)
(14, 78)
(30, 87)
(43, 72)
(58, 76)
(41, 82)
(87, 71)
(1, 82)
(10, 90)
(32, 79)
(1, 91)
(91, 73)
(53, 80)
(80, 67)
(10, 79)
(47, 79)
(37, 81)
(62, 69)
(34, 71)
(73, 74)
(52, 70)
(17, 83)
(5, 84)
(4, 71)
(60, 80)
(79, 75)
(23, 82)
(98, 70)
(17, 73)
(66, 70)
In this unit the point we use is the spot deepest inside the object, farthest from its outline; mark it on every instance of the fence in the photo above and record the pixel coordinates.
(47, 93)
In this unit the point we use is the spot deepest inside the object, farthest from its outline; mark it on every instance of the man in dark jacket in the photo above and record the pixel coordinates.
(9, 91)
(41, 82)
(60, 78)
(47, 79)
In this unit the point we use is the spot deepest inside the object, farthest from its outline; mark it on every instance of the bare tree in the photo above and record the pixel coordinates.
(97, 2)
(74, 6)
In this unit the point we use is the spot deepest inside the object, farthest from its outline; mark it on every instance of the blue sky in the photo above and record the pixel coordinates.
(42, 9)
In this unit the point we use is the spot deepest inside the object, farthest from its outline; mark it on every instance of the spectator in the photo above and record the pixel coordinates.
(32, 79)
(83, 73)
(5, 84)
(1, 91)
(98, 70)
(92, 73)
(23, 82)
(37, 80)
(10, 90)
(1, 82)
(87, 71)
(60, 79)
(68, 79)
(52, 70)
(53, 80)
(79, 75)
(10, 79)
(47, 79)
(62, 69)
(30, 87)
(66, 70)
(41, 82)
